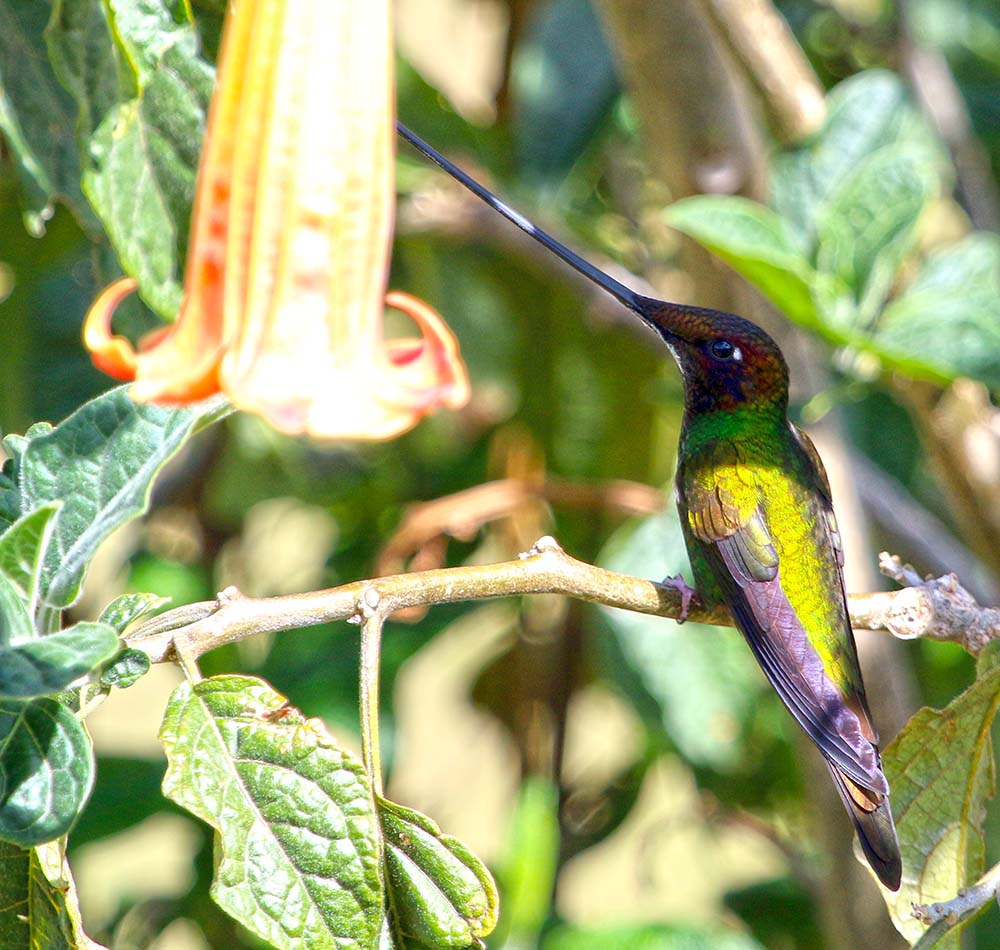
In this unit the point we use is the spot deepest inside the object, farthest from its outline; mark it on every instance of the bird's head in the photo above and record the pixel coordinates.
(726, 362)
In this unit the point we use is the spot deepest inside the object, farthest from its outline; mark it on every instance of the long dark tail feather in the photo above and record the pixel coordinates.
(876, 830)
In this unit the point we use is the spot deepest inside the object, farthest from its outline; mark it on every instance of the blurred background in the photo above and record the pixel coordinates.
(632, 783)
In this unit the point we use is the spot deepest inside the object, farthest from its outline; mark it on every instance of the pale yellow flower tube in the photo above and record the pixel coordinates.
(292, 227)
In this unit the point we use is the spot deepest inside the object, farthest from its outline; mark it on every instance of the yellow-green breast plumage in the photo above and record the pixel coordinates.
(768, 469)
(758, 521)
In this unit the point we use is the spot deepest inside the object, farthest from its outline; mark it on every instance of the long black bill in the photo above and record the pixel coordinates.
(635, 302)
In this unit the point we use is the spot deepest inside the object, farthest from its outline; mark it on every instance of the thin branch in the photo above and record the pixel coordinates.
(935, 608)
(462, 514)
(940, 608)
(546, 569)
(774, 63)
(912, 527)
(949, 914)
(372, 617)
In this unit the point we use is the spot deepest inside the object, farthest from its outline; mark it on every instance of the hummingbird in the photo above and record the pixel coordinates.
(757, 516)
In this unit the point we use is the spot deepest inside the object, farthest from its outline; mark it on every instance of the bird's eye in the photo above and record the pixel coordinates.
(724, 350)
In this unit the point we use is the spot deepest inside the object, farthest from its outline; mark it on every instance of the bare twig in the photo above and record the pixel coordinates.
(546, 569)
(937, 609)
(372, 617)
(908, 523)
(463, 513)
(944, 916)
(940, 608)
(774, 63)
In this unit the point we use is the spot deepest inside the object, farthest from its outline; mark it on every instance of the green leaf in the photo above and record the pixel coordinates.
(130, 665)
(528, 872)
(866, 113)
(941, 772)
(707, 717)
(16, 624)
(151, 30)
(441, 894)
(38, 901)
(9, 502)
(22, 551)
(10, 497)
(86, 58)
(756, 243)
(947, 323)
(126, 669)
(298, 860)
(144, 155)
(51, 664)
(142, 183)
(125, 610)
(868, 225)
(101, 462)
(15, 927)
(37, 117)
(646, 937)
(47, 765)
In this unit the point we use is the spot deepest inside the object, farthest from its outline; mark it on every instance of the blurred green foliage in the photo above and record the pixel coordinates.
(843, 216)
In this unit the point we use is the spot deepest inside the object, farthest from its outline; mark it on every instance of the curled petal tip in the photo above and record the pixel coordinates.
(432, 365)
(363, 388)
(172, 364)
(111, 354)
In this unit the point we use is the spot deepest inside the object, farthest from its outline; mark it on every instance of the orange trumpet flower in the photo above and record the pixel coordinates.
(285, 282)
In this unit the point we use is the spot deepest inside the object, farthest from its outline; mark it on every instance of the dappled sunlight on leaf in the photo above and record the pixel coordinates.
(308, 855)
(441, 894)
(298, 846)
(941, 771)
(48, 769)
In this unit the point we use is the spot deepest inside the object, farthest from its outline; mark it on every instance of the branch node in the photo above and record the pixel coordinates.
(367, 605)
(946, 914)
(229, 595)
(544, 545)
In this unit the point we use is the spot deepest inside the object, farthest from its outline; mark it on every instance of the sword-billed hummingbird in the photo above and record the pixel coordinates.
(758, 522)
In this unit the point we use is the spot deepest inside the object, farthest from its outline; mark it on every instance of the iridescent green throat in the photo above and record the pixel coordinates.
(750, 423)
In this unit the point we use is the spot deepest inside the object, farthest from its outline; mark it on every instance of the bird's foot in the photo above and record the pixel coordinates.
(678, 584)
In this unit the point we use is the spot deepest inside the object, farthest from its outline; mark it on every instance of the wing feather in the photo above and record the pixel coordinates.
(826, 502)
(726, 514)
(779, 641)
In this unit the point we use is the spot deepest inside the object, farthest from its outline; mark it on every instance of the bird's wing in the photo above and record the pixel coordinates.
(826, 495)
(726, 513)
(826, 519)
